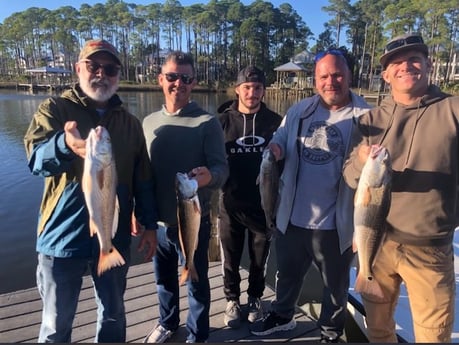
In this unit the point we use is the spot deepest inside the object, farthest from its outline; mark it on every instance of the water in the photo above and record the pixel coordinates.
(21, 192)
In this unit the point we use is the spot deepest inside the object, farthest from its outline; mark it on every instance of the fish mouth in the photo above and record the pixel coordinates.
(376, 150)
(98, 131)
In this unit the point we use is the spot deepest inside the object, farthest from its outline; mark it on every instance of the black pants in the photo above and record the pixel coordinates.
(233, 225)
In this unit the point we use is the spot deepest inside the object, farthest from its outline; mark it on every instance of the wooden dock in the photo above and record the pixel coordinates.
(285, 92)
(33, 87)
(20, 312)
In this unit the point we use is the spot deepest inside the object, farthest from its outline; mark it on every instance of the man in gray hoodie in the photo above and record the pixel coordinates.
(418, 125)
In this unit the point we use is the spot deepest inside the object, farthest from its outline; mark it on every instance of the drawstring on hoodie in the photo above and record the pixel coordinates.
(418, 116)
(389, 125)
(391, 120)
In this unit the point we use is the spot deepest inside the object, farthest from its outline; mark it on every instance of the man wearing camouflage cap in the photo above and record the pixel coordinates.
(56, 151)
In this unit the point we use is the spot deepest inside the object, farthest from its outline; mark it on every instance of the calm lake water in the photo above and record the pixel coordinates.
(21, 192)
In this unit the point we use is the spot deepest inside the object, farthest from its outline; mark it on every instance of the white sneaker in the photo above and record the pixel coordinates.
(233, 314)
(158, 335)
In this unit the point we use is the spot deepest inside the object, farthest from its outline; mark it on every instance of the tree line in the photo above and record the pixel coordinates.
(224, 35)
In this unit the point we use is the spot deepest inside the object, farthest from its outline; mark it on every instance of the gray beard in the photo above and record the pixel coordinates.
(99, 93)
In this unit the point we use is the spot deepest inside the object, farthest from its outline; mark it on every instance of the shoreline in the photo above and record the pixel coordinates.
(122, 87)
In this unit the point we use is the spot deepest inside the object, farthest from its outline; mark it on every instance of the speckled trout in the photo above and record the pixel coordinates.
(99, 188)
(189, 222)
(372, 202)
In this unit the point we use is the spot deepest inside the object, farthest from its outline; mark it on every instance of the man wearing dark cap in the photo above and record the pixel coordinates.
(56, 151)
(418, 124)
(248, 126)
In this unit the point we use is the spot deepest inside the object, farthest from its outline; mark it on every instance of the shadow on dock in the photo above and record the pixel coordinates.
(20, 312)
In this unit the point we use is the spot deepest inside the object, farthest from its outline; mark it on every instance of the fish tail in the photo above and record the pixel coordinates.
(368, 286)
(109, 260)
(184, 276)
(92, 227)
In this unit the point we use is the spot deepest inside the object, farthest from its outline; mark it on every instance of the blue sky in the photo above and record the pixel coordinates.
(310, 11)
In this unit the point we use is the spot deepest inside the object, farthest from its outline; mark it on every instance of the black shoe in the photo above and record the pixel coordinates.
(272, 323)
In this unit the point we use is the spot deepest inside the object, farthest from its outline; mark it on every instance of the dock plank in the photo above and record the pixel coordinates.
(20, 312)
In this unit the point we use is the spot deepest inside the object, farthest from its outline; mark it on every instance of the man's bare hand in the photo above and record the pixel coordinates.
(202, 175)
(73, 139)
(363, 153)
(147, 244)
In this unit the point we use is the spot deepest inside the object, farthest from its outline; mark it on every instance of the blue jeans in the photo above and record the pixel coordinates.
(296, 250)
(59, 283)
(165, 264)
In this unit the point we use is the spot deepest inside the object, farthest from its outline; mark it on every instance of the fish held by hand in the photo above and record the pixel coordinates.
(268, 183)
(99, 187)
(189, 222)
(371, 206)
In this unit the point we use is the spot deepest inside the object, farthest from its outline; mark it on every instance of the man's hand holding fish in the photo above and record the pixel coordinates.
(202, 175)
(73, 139)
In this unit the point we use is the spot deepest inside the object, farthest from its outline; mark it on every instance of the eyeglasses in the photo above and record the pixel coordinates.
(402, 42)
(110, 70)
(185, 78)
(320, 55)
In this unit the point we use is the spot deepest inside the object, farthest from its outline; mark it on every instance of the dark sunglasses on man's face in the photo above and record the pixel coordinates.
(320, 55)
(402, 42)
(110, 70)
(185, 78)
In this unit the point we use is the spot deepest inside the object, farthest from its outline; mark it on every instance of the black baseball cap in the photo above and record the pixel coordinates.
(251, 74)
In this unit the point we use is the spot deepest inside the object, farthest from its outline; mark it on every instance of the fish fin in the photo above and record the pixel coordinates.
(354, 246)
(116, 214)
(109, 260)
(188, 273)
(184, 276)
(257, 181)
(368, 286)
(92, 227)
(366, 196)
(197, 205)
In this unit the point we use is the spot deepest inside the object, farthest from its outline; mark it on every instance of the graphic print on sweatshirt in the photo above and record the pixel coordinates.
(249, 142)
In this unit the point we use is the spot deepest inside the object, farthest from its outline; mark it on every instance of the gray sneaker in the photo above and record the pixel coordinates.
(233, 314)
(254, 308)
(158, 335)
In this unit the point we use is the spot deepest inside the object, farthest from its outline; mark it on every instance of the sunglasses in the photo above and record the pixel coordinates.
(185, 78)
(110, 70)
(403, 42)
(320, 55)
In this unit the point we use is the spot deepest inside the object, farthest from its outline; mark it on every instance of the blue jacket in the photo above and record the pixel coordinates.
(63, 229)
(286, 137)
